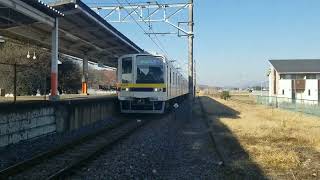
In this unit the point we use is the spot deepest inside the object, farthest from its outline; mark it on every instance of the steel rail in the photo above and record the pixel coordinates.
(27, 164)
(62, 173)
(59, 162)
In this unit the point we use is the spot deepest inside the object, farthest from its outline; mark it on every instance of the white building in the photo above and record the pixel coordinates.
(295, 79)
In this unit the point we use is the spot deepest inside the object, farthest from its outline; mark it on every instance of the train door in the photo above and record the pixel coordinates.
(177, 84)
(173, 84)
(168, 85)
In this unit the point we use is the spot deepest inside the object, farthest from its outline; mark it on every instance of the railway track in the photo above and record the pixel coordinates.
(59, 162)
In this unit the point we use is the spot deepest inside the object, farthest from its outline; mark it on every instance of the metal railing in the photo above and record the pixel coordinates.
(298, 105)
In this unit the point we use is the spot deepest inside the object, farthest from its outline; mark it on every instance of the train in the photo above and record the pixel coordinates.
(148, 83)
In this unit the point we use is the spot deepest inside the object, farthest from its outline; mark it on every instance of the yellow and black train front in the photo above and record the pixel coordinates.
(142, 83)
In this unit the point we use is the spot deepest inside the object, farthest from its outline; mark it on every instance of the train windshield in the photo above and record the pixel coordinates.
(149, 69)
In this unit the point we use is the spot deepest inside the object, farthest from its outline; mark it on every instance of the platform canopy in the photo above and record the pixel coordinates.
(82, 32)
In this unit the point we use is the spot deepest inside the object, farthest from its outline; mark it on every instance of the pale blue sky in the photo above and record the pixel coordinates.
(235, 38)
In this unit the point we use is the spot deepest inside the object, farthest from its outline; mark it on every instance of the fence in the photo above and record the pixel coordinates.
(298, 105)
(23, 82)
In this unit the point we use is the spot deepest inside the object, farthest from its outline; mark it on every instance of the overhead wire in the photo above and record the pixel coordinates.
(156, 41)
(160, 45)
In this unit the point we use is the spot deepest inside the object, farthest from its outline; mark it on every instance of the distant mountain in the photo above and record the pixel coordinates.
(245, 85)
(253, 84)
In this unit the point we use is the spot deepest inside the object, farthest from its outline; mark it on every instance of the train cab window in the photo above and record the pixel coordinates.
(127, 70)
(150, 69)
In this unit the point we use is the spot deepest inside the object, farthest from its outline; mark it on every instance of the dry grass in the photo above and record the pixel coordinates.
(280, 142)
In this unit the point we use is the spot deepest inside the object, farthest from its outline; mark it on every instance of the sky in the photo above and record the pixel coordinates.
(234, 39)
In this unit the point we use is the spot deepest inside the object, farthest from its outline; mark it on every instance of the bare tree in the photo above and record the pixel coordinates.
(69, 77)
(101, 79)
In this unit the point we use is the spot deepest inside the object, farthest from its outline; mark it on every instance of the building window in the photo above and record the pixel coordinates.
(285, 76)
(282, 91)
(300, 76)
(309, 92)
(311, 76)
(282, 76)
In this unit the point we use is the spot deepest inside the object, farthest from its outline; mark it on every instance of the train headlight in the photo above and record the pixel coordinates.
(127, 89)
(157, 89)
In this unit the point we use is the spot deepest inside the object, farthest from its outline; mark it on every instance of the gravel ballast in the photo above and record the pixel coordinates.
(172, 147)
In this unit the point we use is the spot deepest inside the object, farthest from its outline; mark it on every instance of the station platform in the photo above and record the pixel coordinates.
(32, 117)
(24, 99)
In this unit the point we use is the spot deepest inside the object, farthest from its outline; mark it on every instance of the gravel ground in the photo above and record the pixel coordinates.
(21, 151)
(172, 147)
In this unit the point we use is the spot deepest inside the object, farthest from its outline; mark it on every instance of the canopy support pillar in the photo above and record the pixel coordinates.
(85, 68)
(54, 62)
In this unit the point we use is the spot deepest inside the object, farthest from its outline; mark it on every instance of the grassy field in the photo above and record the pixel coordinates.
(280, 144)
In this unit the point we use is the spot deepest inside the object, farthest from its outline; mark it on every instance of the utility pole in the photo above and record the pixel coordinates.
(190, 57)
(194, 78)
(261, 88)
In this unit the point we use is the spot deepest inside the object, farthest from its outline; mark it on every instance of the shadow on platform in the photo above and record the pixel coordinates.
(238, 164)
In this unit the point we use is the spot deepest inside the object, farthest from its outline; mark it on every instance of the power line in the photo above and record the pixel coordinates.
(166, 53)
(160, 9)
(145, 32)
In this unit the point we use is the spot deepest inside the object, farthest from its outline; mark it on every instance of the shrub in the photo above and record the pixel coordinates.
(225, 95)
